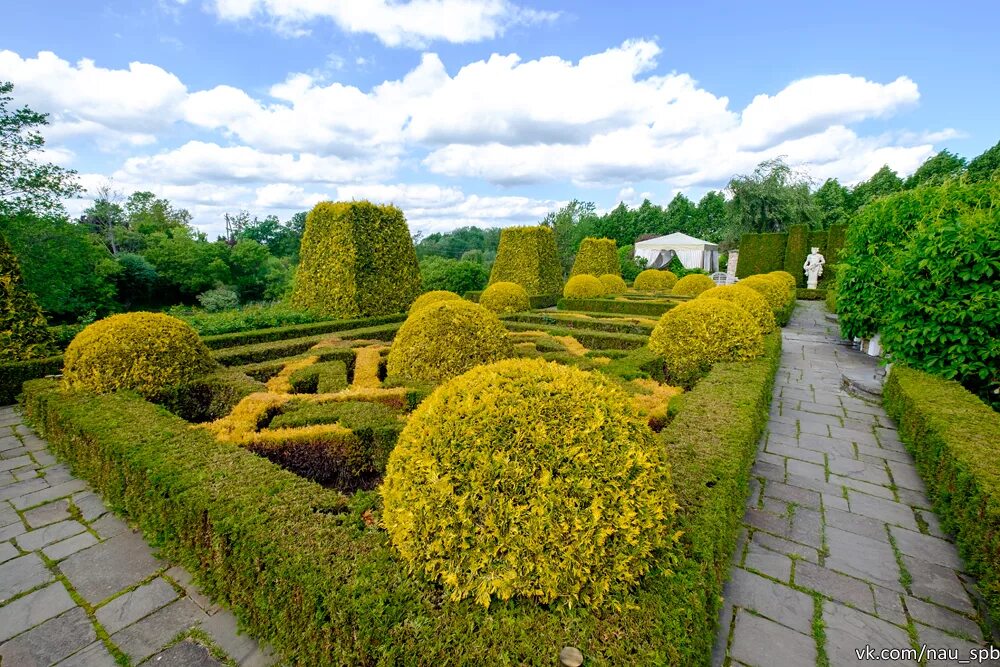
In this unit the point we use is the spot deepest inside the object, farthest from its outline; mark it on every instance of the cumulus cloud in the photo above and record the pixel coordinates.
(414, 23)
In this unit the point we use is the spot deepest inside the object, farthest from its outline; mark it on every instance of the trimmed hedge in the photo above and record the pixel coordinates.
(580, 322)
(357, 260)
(209, 397)
(761, 253)
(593, 339)
(797, 248)
(810, 294)
(15, 373)
(320, 378)
(265, 370)
(222, 341)
(528, 256)
(953, 437)
(596, 257)
(248, 354)
(537, 301)
(620, 306)
(310, 572)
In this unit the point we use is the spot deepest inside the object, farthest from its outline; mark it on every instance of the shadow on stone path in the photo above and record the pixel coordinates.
(78, 587)
(840, 549)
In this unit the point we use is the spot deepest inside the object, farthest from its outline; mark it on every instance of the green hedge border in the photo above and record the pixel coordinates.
(255, 336)
(572, 321)
(807, 294)
(953, 437)
(596, 340)
(304, 570)
(622, 307)
(536, 301)
(16, 373)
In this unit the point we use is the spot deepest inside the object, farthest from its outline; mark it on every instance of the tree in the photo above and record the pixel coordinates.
(834, 202)
(681, 216)
(883, 182)
(149, 214)
(618, 224)
(24, 333)
(984, 166)
(25, 183)
(106, 217)
(770, 199)
(935, 170)
(135, 281)
(711, 217)
(441, 273)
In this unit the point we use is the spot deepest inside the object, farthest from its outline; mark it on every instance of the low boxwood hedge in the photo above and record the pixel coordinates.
(309, 570)
(581, 322)
(15, 373)
(295, 331)
(587, 338)
(623, 306)
(249, 354)
(810, 294)
(536, 301)
(953, 437)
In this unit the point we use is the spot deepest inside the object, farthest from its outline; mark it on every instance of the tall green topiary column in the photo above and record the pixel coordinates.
(357, 260)
(24, 333)
(796, 251)
(527, 256)
(596, 257)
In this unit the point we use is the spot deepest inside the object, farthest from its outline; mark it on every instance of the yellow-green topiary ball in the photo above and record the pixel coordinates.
(785, 276)
(428, 298)
(147, 352)
(532, 479)
(692, 284)
(654, 279)
(772, 288)
(504, 298)
(694, 335)
(583, 286)
(446, 339)
(613, 284)
(749, 299)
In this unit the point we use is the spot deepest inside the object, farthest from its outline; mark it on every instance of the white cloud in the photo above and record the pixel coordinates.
(414, 23)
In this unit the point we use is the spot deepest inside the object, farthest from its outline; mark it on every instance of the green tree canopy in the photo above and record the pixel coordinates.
(883, 182)
(936, 169)
(24, 333)
(770, 199)
(985, 166)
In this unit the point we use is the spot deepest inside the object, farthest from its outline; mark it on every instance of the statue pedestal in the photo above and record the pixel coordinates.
(812, 282)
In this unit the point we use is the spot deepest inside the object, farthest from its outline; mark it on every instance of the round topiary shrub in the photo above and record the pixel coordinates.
(785, 276)
(529, 478)
(428, 298)
(749, 300)
(698, 333)
(613, 284)
(446, 339)
(147, 352)
(504, 298)
(583, 286)
(774, 289)
(692, 284)
(654, 279)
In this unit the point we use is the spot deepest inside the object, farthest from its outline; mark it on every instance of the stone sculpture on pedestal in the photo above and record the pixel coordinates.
(813, 268)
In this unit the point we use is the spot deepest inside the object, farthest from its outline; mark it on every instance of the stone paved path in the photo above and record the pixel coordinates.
(79, 588)
(840, 548)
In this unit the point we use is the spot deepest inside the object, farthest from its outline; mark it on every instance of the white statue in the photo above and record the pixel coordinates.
(813, 268)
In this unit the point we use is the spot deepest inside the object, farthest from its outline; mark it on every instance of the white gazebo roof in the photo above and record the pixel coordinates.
(676, 239)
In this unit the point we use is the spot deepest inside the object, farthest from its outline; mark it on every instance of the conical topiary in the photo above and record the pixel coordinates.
(24, 333)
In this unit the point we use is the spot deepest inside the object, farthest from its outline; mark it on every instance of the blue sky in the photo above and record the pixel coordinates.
(492, 112)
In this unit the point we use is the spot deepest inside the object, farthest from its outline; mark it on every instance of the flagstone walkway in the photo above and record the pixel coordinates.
(840, 551)
(79, 588)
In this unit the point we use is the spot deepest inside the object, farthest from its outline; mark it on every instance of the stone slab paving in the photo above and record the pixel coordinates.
(840, 551)
(78, 587)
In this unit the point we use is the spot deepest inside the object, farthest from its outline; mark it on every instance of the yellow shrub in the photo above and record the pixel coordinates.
(428, 298)
(583, 286)
(749, 299)
(788, 278)
(596, 257)
(529, 478)
(572, 345)
(654, 279)
(771, 288)
(613, 284)
(504, 298)
(446, 339)
(240, 425)
(366, 362)
(692, 284)
(696, 334)
(281, 382)
(147, 352)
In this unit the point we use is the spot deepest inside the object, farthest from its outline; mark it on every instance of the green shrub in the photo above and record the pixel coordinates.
(696, 334)
(13, 374)
(832, 253)
(797, 248)
(24, 333)
(628, 266)
(256, 336)
(258, 352)
(208, 397)
(880, 230)
(577, 321)
(811, 294)
(748, 299)
(446, 339)
(772, 288)
(596, 257)
(583, 286)
(146, 352)
(504, 298)
(761, 253)
(588, 338)
(943, 312)
(452, 275)
(513, 444)
(428, 298)
(218, 299)
(528, 256)
(324, 377)
(357, 259)
(953, 437)
(354, 415)
(613, 284)
(692, 285)
(831, 300)
(621, 307)
(246, 318)
(654, 279)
